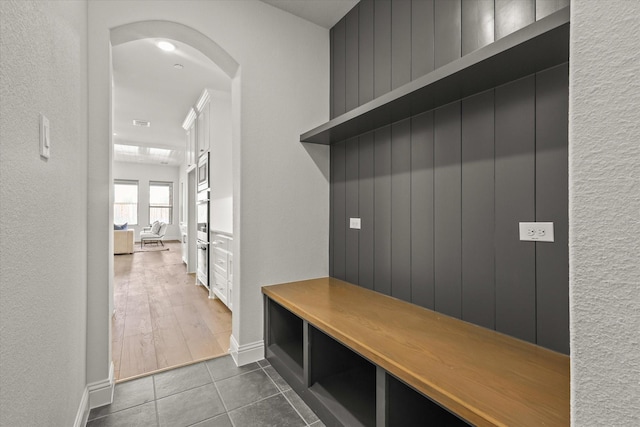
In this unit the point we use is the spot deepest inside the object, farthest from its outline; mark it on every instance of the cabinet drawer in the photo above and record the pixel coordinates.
(220, 261)
(220, 283)
(220, 241)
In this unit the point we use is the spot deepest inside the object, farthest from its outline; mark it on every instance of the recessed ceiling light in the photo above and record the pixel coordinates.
(115, 134)
(178, 66)
(166, 46)
(142, 123)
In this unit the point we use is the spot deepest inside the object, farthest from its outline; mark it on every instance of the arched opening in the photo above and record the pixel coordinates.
(142, 30)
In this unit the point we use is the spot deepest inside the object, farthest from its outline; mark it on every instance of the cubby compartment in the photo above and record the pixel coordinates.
(407, 407)
(285, 340)
(342, 381)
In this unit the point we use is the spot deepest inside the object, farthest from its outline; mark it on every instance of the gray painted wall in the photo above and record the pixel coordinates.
(440, 194)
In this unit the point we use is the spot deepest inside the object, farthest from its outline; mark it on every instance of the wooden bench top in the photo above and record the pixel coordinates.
(484, 376)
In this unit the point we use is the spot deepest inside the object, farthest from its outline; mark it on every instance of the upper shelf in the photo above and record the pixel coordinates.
(535, 47)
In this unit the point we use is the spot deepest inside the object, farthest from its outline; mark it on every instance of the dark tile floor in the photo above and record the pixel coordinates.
(214, 393)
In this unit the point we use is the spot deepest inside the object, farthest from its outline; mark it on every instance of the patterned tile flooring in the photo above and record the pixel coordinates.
(213, 393)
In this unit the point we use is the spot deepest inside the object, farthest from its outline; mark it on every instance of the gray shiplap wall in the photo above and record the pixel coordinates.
(440, 194)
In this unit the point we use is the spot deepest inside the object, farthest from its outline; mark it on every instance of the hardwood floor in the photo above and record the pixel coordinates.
(162, 319)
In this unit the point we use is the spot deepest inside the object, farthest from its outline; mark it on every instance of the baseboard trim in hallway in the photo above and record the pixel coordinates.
(247, 353)
(83, 410)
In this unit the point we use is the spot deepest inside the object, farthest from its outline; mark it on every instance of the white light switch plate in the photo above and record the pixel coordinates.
(536, 231)
(354, 223)
(45, 140)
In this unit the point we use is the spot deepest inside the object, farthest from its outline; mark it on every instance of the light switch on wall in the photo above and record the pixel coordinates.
(45, 140)
(354, 223)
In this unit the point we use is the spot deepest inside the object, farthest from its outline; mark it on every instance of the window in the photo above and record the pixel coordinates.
(161, 201)
(125, 202)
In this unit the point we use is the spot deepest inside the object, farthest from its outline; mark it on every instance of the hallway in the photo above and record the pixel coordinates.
(162, 319)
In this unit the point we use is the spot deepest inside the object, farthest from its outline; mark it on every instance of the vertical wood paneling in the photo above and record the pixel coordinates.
(447, 31)
(477, 24)
(422, 279)
(332, 95)
(366, 207)
(547, 7)
(339, 68)
(511, 15)
(351, 205)
(332, 205)
(365, 52)
(338, 160)
(382, 47)
(422, 37)
(478, 262)
(351, 59)
(552, 259)
(514, 193)
(440, 195)
(401, 210)
(447, 207)
(400, 42)
(382, 210)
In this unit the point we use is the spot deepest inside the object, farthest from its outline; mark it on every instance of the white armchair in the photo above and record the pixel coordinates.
(154, 234)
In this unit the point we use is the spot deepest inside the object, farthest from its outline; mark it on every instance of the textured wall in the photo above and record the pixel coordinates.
(43, 219)
(604, 212)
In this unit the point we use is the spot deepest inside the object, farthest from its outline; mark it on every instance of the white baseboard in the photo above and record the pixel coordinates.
(101, 392)
(83, 411)
(247, 353)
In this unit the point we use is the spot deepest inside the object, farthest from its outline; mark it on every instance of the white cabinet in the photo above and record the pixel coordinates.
(189, 125)
(203, 109)
(184, 246)
(221, 271)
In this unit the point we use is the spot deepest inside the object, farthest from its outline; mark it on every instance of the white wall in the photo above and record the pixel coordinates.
(143, 173)
(604, 212)
(281, 192)
(43, 219)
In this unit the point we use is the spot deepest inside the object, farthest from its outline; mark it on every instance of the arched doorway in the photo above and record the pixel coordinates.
(100, 261)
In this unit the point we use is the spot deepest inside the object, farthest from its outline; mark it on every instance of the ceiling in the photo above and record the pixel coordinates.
(147, 86)
(325, 13)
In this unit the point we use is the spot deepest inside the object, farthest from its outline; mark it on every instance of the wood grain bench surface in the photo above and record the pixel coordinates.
(484, 376)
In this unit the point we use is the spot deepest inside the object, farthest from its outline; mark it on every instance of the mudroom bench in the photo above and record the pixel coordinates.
(360, 358)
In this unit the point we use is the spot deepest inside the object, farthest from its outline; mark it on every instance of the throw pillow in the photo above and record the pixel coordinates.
(155, 227)
(120, 227)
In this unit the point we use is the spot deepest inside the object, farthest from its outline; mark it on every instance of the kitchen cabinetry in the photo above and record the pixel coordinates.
(203, 108)
(222, 270)
(190, 126)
